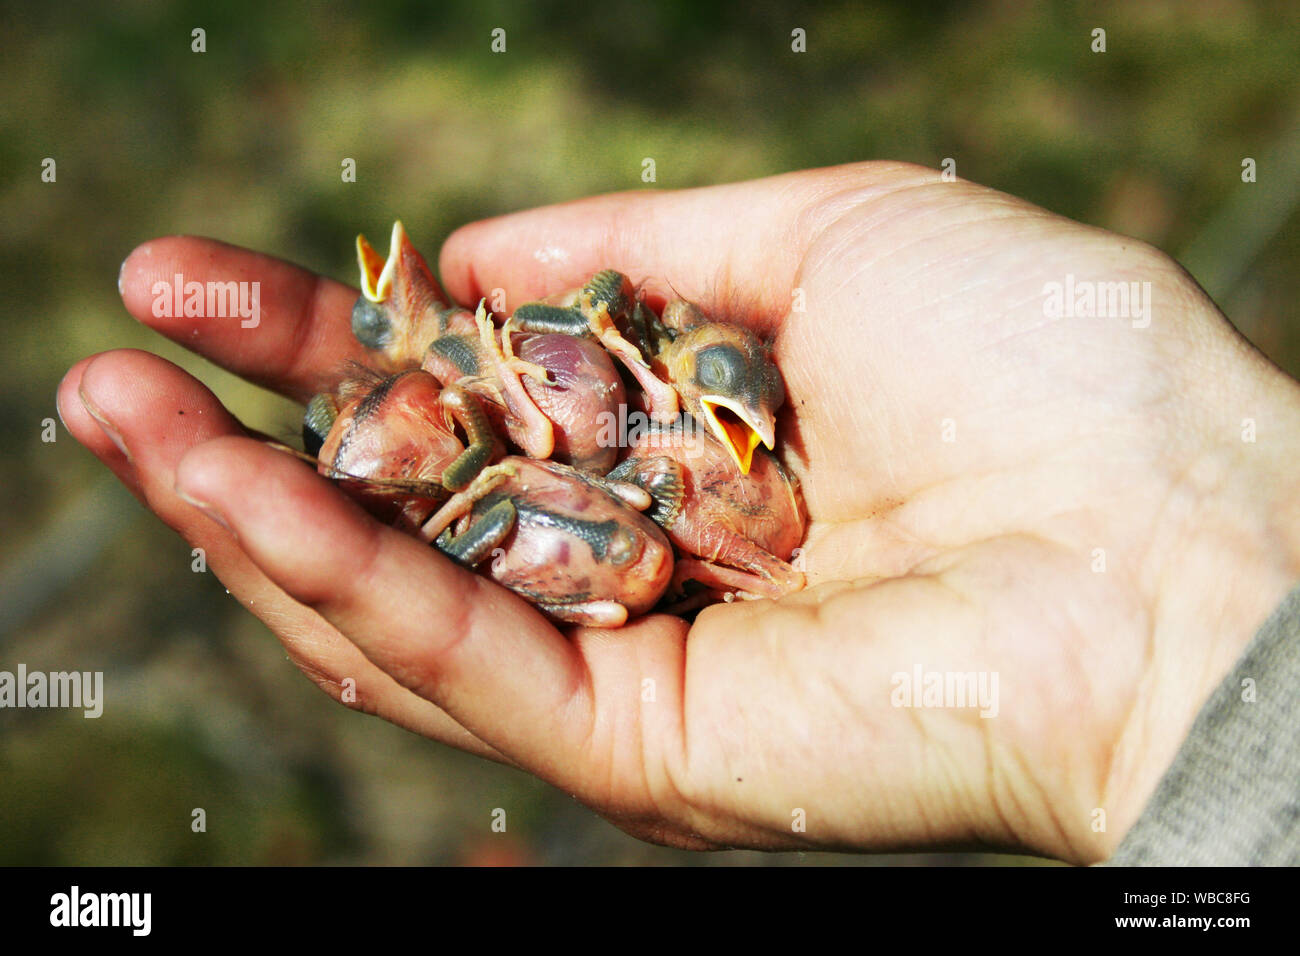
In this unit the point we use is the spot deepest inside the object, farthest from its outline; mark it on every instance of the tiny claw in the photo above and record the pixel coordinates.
(486, 330)
(505, 352)
(508, 346)
(531, 369)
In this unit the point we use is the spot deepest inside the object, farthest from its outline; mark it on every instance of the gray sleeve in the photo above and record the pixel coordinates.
(1232, 795)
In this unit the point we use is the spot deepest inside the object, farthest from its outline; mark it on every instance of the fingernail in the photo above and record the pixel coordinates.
(107, 427)
(121, 269)
(207, 508)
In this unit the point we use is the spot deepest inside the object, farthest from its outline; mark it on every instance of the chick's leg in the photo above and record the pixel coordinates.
(460, 503)
(738, 564)
(533, 431)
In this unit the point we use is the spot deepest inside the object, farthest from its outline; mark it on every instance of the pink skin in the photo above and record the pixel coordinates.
(657, 397)
(554, 568)
(560, 421)
(587, 387)
(406, 437)
(738, 529)
(460, 322)
(498, 380)
(546, 396)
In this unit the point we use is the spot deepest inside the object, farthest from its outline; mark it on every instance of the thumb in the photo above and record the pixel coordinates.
(733, 249)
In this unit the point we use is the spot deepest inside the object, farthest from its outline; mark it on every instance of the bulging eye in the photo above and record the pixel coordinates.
(370, 325)
(713, 373)
(717, 365)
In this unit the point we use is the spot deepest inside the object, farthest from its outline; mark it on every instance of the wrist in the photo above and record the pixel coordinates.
(1225, 552)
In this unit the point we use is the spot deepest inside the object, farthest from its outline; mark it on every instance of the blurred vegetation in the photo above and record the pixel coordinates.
(244, 142)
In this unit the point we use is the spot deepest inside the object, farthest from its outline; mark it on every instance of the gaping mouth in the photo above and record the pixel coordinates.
(736, 428)
(376, 272)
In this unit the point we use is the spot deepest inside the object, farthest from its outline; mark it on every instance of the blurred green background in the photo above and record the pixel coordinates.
(244, 142)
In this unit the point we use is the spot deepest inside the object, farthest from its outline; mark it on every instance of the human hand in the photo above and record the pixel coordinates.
(962, 455)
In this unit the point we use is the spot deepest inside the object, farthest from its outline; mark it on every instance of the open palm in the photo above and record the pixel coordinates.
(1049, 502)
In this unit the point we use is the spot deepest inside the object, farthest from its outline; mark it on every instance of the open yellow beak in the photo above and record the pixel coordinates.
(376, 272)
(739, 429)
